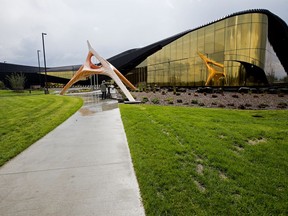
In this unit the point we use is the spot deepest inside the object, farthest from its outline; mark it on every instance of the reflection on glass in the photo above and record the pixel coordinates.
(238, 43)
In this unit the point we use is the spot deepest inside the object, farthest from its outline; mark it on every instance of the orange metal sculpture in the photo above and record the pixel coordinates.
(105, 68)
(213, 73)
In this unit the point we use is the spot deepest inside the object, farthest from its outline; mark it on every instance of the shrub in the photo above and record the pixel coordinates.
(221, 106)
(282, 105)
(214, 96)
(145, 99)
(155, 101)
(17, 81)
(2, 85)
(142, 87)
(241, 106)
(169, 100)
(263, 106)
(194, 101)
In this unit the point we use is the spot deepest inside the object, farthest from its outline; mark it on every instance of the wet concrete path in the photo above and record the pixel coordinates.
(83, 167)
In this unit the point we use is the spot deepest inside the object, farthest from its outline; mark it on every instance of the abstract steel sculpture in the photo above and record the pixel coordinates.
(213, 73)
(105, 68)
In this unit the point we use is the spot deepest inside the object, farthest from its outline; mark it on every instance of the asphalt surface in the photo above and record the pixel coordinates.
(83, 167)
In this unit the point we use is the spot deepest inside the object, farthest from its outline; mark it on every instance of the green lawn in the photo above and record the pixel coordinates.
(25, 118)
(197, 161)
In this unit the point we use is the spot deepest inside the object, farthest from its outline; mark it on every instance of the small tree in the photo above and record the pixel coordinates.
(17, 81)
(2, 85)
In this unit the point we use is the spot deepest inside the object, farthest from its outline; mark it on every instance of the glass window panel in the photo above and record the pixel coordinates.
(159, 56)
(255, 35)
(219, 40)
(166, 53)
(186, 68)
(258, 43)
(230, 39)
(243, 36)
(166, 69)
(156, 58)
(231, 21)
(193, 43)
(197, 74)
(262, 58)
(179, 48)
(149, 74)
(245, 18)
(183, 72)
(178, 72)
(173, 55)
(218, 57)
(163, 54)
(200, 40)
(257, 17)
(264, 35)
(232, 72)
(219, 25)
(243, 55)
(209, 39)
(186, 46)
(191, 70)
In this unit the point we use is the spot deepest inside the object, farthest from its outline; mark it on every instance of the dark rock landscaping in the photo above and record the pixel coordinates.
(228, 100)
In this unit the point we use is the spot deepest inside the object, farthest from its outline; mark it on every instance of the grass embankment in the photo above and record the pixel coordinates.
(195, 161)
(25, 119)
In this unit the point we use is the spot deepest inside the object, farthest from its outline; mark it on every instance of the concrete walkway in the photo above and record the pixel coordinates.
(83, 167)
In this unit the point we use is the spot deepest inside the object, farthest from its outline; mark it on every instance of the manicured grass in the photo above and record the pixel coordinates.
(25, 119)
(197, 161)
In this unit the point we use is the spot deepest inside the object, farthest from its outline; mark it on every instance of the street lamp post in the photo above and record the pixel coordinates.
(45, 69)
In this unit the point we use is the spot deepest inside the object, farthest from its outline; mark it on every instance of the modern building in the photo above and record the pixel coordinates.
(243, 49)
(247, 48)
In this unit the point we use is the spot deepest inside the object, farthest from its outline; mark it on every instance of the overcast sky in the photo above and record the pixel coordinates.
(111, 26)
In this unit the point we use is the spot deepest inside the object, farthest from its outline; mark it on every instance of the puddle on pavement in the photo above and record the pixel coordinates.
(92, 108)
(86, 112)
(94, 104)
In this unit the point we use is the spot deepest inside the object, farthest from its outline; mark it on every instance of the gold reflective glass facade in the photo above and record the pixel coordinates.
(239, 43)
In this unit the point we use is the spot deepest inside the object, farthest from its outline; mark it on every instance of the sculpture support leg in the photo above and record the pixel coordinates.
(122, 87)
